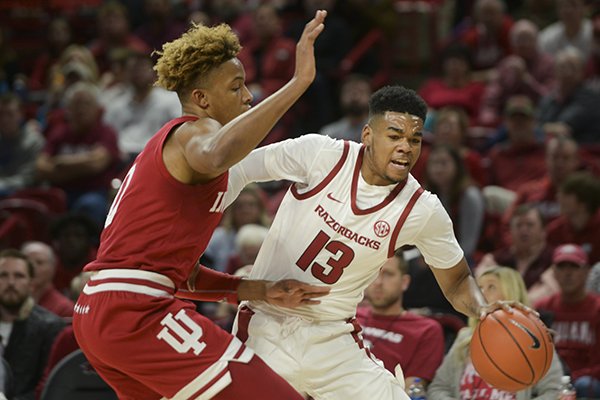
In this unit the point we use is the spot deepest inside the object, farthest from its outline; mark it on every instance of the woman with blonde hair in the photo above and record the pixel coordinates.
(456, 378)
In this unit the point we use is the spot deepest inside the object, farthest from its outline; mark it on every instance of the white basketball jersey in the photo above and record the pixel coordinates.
(322, 237)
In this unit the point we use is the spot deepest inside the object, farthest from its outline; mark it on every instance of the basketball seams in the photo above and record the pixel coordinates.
(517, 343)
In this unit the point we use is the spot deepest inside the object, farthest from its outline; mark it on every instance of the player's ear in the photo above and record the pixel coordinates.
(200, 98)
(366, 134)
(405, 282)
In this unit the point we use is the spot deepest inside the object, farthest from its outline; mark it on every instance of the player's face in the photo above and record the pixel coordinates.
(388, 287)
(393, 145)
(491, 288)
(227, 95)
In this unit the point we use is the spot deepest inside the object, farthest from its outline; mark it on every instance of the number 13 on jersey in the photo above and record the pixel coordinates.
(341, 257)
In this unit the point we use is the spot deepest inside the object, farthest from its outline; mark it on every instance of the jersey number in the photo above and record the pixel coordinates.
(342, 256)
(115, 204)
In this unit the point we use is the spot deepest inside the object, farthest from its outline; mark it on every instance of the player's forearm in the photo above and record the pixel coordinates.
(240, 136)
(467, 297)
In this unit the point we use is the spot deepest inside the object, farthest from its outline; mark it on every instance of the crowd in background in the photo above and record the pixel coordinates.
(511, 143)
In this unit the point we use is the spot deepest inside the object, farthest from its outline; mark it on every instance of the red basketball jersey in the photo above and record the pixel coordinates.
(157, 223)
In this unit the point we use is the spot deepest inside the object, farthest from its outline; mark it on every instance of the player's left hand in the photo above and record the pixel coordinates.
(291, 293)
(508, 306)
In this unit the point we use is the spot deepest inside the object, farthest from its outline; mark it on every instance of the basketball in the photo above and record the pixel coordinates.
(511, 351)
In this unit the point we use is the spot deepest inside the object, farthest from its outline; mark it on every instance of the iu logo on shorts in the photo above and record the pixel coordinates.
(381, 228)
(188, 333)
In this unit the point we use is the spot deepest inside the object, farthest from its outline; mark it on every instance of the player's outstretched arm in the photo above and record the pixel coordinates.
(210, 285)
(233, 141)
(461, 290)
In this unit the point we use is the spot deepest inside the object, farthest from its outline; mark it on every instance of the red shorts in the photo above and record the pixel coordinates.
(147, 344)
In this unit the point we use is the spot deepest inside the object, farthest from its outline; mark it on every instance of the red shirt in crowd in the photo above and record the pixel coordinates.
(54, 301)
(513, 166)
(561, 231)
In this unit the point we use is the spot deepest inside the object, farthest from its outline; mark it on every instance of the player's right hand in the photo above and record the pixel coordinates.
(291, 293)
(305, 51)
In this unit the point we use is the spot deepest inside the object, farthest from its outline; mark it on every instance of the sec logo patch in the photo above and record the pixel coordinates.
(381, 228)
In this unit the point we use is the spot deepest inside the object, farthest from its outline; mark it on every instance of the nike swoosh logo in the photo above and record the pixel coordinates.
(536, 341)
(330, 197)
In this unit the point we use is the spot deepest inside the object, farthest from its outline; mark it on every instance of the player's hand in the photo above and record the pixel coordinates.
(305, 51)
(508, 306)
(291, 293)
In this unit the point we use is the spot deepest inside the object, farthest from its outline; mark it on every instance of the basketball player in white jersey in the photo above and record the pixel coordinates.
(350, 208)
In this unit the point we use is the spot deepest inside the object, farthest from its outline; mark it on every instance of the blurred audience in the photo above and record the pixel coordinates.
(44, 293)
(81, 154)
(141, 109)
(527, 71)
(114, 32)
(527, 252)
(522, 158)
(159, 26)
(488, 36)
(579, 221)
(20, 145)
(571, 108)
(456, 86)
(447, 178)
(248, 208)
(573, 29)
(576, 319)
(248, 241)
(355, 93)
(75, 240)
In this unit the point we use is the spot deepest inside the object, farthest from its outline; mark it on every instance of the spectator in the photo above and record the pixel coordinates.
(593, 282)
(75, 240)
(488, 36)
(248, 208)
(450, 127)
(579, 222)
(571, 108)
(446, 177)
(527, 252)
(521, 159)
(456, 86)
(269, 59)
(9, 67)
(114, 32)
(268, 56)
(576, 319)
(81, 154)
(43, 292)
(457, 378)
(247, 244)
(572, 29)
(527, 71)
(159, 26)
(316, 107)
(394, 335)
(141, 109)
(27, 330)
(592, 68)
(59, 37)
(562, 160)
(20, 146)
(354, 103)
(235, 14)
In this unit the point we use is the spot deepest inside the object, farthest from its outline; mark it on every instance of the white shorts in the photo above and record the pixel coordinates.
(325, 360)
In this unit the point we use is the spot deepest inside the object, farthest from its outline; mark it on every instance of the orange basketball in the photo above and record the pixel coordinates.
(511, 351)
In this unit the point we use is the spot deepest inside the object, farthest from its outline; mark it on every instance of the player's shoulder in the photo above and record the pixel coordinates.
(427, 200)
(322, 141)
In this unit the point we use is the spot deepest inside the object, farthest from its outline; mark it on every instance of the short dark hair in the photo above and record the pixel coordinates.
(402, 264)
(525, 208)
(14, 253)
(397, 99)
(585, 187)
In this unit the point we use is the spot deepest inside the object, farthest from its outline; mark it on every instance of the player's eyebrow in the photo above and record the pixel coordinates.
(401, 130)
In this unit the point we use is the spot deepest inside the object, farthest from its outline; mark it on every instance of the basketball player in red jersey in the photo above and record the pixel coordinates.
(146, 343)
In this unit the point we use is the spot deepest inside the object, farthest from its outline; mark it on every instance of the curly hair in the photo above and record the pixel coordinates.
(185, 60)
(397, 99)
